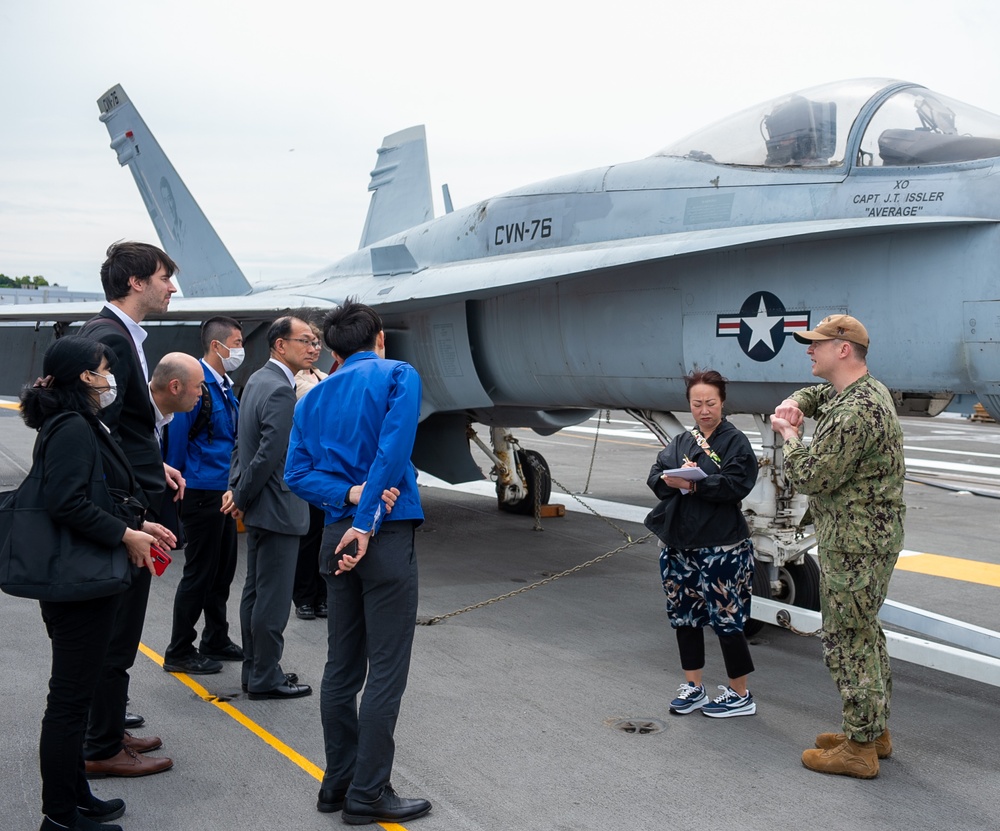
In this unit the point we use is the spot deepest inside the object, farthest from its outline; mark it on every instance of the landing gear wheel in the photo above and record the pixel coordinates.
(537, 480)
(761, 588)
(799, 584)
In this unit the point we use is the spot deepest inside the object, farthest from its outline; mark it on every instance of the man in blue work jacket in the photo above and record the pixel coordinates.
(359, 426)
(200, 445)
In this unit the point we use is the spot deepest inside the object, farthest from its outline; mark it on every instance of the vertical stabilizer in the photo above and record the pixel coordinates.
(400, 186)
(206, 266)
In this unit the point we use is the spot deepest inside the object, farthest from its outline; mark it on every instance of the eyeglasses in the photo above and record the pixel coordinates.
(312, 344)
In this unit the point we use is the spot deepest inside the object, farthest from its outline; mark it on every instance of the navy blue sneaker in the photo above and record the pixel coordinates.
(729, 704)
(690, 697)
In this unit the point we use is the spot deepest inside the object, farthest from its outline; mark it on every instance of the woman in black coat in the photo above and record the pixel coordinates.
(706, 562)
(78, 382)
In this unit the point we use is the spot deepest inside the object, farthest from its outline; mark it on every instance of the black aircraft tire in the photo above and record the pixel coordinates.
(802, 584)
(761, 588)
(536, 480)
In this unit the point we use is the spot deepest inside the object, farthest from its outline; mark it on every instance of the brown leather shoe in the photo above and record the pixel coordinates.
(141, 744)
(883, 744)
(850, 758)
(128, 763)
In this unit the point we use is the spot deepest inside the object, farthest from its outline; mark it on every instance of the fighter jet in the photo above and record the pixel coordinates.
(601, 289)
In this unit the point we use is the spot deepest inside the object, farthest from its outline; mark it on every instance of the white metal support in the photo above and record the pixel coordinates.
(947, 629)
(943, 657)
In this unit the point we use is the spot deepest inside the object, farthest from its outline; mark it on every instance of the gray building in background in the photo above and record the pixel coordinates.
(47, 294)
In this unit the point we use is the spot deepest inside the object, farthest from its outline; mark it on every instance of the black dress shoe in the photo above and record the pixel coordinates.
(284, 691)
(305, 612)
(290, 678)
(132, 721)
(195, 665)
(101, 810)
(387, 808)
(81, 824)
(230, 652)
(330, 800)
(321, 610)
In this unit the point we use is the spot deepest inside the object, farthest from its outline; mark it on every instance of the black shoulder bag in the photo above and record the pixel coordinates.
(46, 560)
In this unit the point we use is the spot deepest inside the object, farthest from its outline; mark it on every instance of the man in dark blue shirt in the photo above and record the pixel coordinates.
(359, 425)
(200, 445)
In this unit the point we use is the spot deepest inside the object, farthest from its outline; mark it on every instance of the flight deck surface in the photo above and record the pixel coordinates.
(509, 718)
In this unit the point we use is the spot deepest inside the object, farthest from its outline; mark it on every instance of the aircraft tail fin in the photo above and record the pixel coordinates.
(206, 266)
(400, 186)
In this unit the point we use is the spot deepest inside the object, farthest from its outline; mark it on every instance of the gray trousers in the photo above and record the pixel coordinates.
(265, 604)
(372, 615)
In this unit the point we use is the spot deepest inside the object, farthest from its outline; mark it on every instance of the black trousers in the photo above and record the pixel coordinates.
(310, 588)
(373, 613)
(209, 567)
(80, 632)
(107, 711)
(735, 650)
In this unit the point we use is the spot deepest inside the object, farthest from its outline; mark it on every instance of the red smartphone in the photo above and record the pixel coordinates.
(161, 559)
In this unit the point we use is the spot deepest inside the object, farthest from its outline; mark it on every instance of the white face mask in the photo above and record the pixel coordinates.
(235, 359)
(107, 397)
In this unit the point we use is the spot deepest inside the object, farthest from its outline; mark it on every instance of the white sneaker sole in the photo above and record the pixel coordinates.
(689, 707)
(748, 710)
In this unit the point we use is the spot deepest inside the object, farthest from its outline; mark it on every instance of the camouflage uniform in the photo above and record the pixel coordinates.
(853, 472)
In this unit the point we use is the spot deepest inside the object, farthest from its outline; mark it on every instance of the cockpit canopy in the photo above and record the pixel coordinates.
(811, 128)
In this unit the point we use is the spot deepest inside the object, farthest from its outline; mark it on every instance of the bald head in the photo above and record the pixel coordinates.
(176, 383)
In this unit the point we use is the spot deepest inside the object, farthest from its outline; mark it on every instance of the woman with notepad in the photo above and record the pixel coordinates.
(706, 561)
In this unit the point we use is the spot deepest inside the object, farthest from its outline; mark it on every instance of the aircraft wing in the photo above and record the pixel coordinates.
(481, 277)
(263, 306)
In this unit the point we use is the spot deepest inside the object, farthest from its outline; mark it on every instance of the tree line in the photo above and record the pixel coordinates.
(24, 282)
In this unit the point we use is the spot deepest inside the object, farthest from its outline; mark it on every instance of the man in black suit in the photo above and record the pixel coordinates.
(274, 517)
(137, 281)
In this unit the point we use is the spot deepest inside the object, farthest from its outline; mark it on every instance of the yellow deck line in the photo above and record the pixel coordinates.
(954, 568)
(251, 725)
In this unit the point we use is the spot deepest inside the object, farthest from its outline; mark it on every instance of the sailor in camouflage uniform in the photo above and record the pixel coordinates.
(853, 472)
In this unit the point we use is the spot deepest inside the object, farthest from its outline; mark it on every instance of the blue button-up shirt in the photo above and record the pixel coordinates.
(358, 426)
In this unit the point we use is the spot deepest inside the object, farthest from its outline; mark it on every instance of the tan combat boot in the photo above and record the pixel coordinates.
(850, 758)
(883, 744)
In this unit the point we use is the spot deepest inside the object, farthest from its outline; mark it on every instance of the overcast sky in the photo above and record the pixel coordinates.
(272, 112)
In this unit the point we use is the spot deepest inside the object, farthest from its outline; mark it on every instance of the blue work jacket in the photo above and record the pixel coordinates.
(204, 460)
(358, 426)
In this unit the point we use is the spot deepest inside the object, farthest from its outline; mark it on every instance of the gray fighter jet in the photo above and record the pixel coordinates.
(600, 289)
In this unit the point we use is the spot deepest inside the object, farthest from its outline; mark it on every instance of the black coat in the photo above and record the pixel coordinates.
(131, 418)
(710, 516)
(69, 460)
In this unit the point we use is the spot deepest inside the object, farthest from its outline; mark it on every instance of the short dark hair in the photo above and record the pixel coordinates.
(353, 327)
(282, 328)
(860, 352)
(705, 376)
(218, 328)
(131, 259)
(64, 361)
